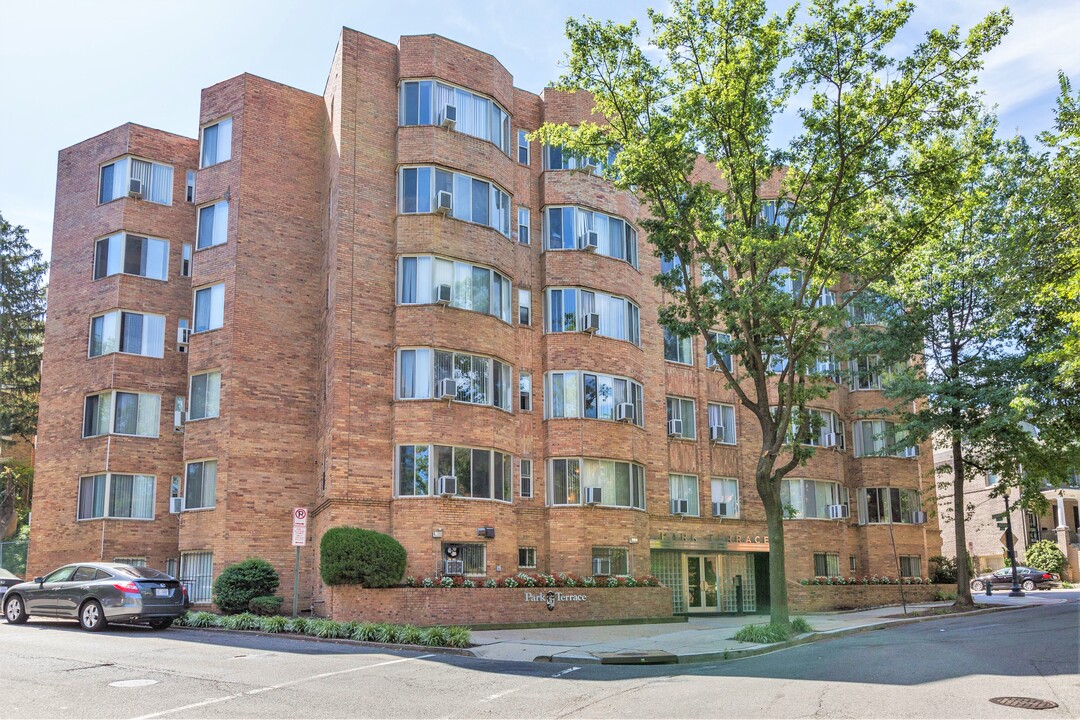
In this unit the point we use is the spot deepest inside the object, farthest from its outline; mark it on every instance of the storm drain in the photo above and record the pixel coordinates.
(1024, 703)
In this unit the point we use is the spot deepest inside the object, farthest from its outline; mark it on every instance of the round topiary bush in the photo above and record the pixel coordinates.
(239, 583)
(354, 556)
(1045, 555)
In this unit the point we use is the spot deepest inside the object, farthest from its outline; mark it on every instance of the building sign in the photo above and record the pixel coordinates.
(551, 597)
(709, 541)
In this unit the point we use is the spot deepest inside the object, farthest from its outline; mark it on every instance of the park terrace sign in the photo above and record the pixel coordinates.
(697, 542)
(551, 597)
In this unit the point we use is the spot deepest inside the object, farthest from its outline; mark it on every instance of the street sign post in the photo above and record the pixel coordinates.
(299, 539)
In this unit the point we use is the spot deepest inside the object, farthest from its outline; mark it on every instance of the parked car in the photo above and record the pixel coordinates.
(96, 594)
(7, 579)
(1029, 579)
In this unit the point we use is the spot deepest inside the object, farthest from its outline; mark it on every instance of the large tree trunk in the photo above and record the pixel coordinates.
(774, 520)
(963, 579)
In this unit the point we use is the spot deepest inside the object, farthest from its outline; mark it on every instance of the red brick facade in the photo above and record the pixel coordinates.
(308, 348)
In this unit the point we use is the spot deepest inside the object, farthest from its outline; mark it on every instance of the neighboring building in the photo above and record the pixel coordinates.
(379, 297)
(984, 537)
(16, 449)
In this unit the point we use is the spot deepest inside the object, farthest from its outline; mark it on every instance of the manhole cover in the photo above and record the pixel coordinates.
(1024, 703)
(141, 682)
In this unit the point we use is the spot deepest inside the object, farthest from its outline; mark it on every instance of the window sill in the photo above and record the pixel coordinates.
(451, 497)
(204, 332)
(110, 517)
(133, 275)
(596, 253)
(123, 435)
(198, 509)
(129, 354)
(188, 421)
(582, 506)
(210, 247)
(678, 363)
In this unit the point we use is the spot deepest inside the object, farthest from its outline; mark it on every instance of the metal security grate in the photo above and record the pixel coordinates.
(1025, 703)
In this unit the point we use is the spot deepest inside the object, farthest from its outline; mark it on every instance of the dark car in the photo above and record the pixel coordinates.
(1029, 579)
(96, 594)
(7, 579)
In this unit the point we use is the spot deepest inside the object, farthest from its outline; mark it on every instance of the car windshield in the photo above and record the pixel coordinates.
(146, 573)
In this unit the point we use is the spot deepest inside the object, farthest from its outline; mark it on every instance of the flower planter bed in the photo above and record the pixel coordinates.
(502, 606)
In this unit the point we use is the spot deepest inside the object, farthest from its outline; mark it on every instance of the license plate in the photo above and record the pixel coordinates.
(161, 592)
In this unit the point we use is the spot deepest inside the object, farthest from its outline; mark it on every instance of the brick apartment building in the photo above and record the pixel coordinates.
(273, 322)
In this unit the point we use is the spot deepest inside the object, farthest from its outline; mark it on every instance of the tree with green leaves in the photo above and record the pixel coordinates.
(762, 232)
(22, 327)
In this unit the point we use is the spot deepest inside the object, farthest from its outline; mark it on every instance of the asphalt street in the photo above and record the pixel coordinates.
(941, 668)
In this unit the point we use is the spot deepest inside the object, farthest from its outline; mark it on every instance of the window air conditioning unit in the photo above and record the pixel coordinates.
(178, 420)
(447, 389)
(183, 335)
(674, 427)
(176, 505)
(719, 509)
(831, 440)
(680, 506)
(624, 412)
(590, 241)
(589, 165)
(447, 485)
(449, 116)
(590, 323)
(453, 567)
(716, 433)
(918, 517)
(444, 202)
(838, 512)
(601, 566)
(593, 496)
(442, 294)
(912, 451)
(135, 188)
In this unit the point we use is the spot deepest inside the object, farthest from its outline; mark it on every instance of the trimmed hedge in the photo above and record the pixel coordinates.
(354, 556)
(266, 604)
(237, 584)
(453, 637)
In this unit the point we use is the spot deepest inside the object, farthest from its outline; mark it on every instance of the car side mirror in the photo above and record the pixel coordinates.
(39, 580)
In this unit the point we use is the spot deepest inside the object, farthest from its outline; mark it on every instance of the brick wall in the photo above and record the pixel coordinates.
(496, 606)
(822, 598)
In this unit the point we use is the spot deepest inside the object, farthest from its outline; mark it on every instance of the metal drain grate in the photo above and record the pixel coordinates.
(1024, 703)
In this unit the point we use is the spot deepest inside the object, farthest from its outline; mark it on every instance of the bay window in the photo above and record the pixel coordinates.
(155, 180)
(121, 413)
(567, 310)
(479, 380)
(879, 438)
(812, 498)
(888, 505)
(621, 484)
(827, 429)
(556, 157)
(567, 228)
(473, 200)
(115, 495)
(128, 254)
(423, 102)
(576, 393)
(472, 287)
(127, 332)
(480, 473)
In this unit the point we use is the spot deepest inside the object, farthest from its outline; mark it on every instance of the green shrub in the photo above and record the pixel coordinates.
(763, 634)
(297, 625)
(266, 604)
(273, 624)
(408, 635)
(434, 637)
(243, 621)
(1045, 555)
(203, 620)
(239, 583)
(184, 620)
(365, 632)
(325, 628)
(942, 570)
(354, 556)
(458, 637)
(385, 633)
(800, 626)
(942, 595)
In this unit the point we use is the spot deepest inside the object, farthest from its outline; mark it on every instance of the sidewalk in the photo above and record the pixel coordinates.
(699, 639)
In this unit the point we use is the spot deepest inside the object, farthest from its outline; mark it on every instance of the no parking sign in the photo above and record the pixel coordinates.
(299, 526)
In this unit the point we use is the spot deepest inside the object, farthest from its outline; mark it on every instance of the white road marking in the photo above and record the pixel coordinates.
(256, 691)
(565, 672)
(496, 696)
(138, 682)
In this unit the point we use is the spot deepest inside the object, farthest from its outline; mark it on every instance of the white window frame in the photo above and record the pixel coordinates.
(123, 236)
(677, 409)
(118, 324)
(505, 121)
(524, 226)
(881, 429)
(523, 144)
(710, 360)
(529, 551)
(209, 384)
(734, 505)
(202, 480)
(426, 287)
(219, 230)
(525, 378)
(199, 588)
(731, 436)
(495, 365)
(577, 396)
(494, 191)
(126, 159)
(524, 307)
(682, 486)
(904, 496)
(433, 472)
(525, 472)
(108, 491)
(631, 249)
(220, 155)
(684, 343)
(842, 495)
(186, 256)
(631, 313)
(635, 473)
(195, 306)
(113, 393)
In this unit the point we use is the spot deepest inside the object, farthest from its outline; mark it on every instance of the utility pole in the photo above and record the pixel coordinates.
(1011, 547)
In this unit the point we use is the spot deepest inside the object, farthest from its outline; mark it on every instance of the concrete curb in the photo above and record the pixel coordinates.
(462, 652)
(803, 640)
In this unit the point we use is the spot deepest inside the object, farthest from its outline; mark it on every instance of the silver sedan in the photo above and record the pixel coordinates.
(96, 594)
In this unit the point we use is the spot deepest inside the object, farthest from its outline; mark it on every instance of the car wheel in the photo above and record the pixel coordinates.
(15, 611)
(91, 616)
(1028, 585)
(977, 585)
(161, 624)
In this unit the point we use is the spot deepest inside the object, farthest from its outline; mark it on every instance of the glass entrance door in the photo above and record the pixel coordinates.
(701, 595)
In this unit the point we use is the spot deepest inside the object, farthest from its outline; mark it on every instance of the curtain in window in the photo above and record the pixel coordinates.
(121, 487)
(408, 280)
(127, 413)
(92, 497)
(444, 275)
(221, 222)
(141, 170)
(153, 336)
(209, 146)
(462, 295)
(149, 415)
(161, 179)
(481, 290)
(463, 198)
(155, 259)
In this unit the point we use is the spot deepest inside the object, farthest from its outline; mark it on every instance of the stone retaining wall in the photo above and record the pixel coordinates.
(498, 606)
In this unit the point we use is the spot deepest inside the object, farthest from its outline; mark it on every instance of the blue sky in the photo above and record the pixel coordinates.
(71, 69)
